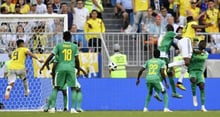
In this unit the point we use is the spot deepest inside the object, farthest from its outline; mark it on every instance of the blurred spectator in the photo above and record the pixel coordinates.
(7, 36)
(79, 39)
(33, 8)
(41, 7)
(9, 6)
(147, 21)
(182, 6)
(95, 4)
(164, 16)
(170, 20)
(4, 10)
(211, 17)
(17, 9)
(56, 6)
(20, 34)
(64, 10)
(3, 38)
(204, 5)
(39, 39)
(139, 9)
(127, 9)
(172, 8)
(157, 28)
(194, 11)
(24, 8)
(94, 25)
(81, 14)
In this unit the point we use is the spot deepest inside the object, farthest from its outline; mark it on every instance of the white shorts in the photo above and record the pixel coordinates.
(12, 75)
(185, 46)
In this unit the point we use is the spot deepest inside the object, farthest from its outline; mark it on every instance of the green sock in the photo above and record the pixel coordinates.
(65, 99)
(79, 99)
(54, 97)
(74, 98)
(165, 98)
(49, 101)
(171, 80)
(147, 101)
(202, 96)
(193, 87)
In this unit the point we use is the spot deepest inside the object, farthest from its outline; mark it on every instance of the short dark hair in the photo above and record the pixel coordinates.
(67, 36)
(169, 27)
(189, 18)
(19, 42)
(156, 53)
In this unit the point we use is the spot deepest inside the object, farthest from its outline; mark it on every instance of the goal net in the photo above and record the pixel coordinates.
(40, 33)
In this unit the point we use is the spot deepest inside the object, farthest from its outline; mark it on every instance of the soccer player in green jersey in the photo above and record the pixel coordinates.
(196, 69)
(67, 60)
(156, 70)
(164, 47)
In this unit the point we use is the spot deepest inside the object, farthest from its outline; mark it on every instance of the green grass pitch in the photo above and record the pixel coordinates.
(114, 114)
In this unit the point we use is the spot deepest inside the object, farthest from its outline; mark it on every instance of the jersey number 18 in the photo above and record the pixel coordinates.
(67, 54)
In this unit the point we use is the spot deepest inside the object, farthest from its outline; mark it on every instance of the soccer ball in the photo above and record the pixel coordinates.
(112, 66)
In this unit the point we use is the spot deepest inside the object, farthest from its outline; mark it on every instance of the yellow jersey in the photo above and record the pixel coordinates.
(10, 8)
(18, 58)
(183, 6)
(189, 31)
(94, 26)
(195, 13)
(25, 9)
(141, 5)
(212, 17)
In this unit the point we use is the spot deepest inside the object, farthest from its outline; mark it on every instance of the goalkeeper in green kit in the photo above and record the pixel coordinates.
(196, 70)
(164, 47)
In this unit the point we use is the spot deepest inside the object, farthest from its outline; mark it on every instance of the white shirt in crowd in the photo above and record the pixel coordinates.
(80, 17)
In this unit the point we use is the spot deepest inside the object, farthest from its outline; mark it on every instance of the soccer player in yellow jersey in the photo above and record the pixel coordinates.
(17, 67)
(185, 44)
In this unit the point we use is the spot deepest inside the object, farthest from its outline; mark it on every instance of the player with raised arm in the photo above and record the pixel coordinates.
(196, 70)
(185, 43)
(17, 67)
(67, 59)
(156, 70)
(164, 47)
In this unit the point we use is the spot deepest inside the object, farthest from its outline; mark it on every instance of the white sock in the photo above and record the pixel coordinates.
(182, 73)
(176, 63)
(203, 106)
(8, 88)
(25, 83)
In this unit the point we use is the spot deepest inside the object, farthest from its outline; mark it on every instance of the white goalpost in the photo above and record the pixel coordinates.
(41, 32)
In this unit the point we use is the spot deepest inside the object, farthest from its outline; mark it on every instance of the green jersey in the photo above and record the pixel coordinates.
(154, 66)
(167, 41)
(65, 53)
(197, 62)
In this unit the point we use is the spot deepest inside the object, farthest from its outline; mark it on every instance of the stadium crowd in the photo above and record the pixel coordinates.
(145, 16)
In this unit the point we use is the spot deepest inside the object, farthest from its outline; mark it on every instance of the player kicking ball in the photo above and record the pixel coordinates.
(196, 69)
(17, 67)
(156, 70)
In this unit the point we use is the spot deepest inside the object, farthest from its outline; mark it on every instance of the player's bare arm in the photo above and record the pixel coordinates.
(163, 74)
(139, 75)
(34, 56)
(49, 58)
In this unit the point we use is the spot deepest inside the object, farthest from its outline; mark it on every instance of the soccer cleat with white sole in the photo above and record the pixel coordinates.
(52, 110)
(167, 110)
(80, 110)
(195, 103)
(203, 109)
(26, 93)
(73, 110)
(145, 109)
